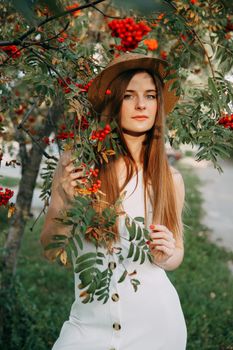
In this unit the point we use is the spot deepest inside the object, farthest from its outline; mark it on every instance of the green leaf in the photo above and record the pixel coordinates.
(137, 254)
(85, 265)
(143, 257)
(85, 256)
(139, 233)
(59, 237)
(86, 300)
(212, 87)
(132, 230)
(142, 243)
(92, 287)
(86, 277)
(123, 276)
(101, 291)
(79, 241)
(139, 218)
(73, 246)
(99, 261)
(131, 250)
(146, 234)
(25, 8)
(54, 245)
(135, 283)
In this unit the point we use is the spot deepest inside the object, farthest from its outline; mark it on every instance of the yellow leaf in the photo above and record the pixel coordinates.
(68, 147)
(58, 253)
(110, 152)
(104, 156)
(99, 146)
(83, 294)
(55, 61)
(63, 257)
(11, 211)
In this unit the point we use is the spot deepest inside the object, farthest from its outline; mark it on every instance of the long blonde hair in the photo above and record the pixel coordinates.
(156, 171)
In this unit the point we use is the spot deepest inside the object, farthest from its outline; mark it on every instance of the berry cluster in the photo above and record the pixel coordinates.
(95, 187)
(11, 51)
(73, 6)
(67, 81)
(84, 88)
(64, 134)
(65, 84)
(84, 123)
(130, 33)
(227, 121)
(94, 172)
(101, 134)
(5, 196)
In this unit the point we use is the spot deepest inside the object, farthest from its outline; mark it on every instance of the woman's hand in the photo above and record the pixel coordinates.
(70, 177)
(162, 245)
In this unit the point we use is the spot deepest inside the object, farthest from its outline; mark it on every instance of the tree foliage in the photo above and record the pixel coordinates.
(50, 51)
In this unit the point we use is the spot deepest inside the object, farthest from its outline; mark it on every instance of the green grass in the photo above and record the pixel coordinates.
(7, 181)
(49, 287)
(203, 282)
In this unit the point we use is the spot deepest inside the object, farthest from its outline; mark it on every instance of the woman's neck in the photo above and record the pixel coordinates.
(134, 143)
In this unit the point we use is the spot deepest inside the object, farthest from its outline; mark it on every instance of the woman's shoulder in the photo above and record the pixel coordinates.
(175, 173)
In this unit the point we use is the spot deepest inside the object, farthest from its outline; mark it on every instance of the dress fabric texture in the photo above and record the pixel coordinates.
(149, 319)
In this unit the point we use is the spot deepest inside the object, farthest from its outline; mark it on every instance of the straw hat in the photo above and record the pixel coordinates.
(128, 61)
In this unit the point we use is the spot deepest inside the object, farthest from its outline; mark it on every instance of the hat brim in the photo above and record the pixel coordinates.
(100, 84)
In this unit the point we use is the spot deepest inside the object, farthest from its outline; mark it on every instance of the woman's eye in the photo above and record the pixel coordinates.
(127, 96)
(151, 97)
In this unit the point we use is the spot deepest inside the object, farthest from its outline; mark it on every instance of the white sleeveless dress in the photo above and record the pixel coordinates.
(150, 318)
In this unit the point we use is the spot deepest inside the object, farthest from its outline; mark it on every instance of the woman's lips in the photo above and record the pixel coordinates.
(140, 117)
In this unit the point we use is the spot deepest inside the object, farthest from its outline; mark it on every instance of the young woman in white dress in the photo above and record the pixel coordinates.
(152, 317)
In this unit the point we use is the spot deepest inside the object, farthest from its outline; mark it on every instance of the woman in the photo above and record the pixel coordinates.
(150, 318)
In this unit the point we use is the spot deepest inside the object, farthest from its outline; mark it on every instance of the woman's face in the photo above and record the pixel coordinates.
(139, 104)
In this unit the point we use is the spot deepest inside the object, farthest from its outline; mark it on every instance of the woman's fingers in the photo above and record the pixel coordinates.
(164, 249)
(169, 244)
(161, 235)
(162, 239)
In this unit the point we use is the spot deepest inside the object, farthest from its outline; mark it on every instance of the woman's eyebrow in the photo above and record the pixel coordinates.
(150, 90)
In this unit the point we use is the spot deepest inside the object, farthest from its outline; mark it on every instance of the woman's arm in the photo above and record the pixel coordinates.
(168, 252)
(62, 193)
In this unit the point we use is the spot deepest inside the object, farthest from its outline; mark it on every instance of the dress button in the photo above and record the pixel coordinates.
(115, 297)
(112, 265)
(116, 326)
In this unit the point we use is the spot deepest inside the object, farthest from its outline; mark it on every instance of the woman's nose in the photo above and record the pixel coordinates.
(140, 103)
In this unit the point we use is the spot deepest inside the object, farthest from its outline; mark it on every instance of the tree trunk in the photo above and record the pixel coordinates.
(10, 305)
(30, 168)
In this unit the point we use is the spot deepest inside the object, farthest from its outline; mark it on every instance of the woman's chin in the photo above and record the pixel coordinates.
(135, 131)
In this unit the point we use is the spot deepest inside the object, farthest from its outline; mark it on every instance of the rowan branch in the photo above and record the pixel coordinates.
(47, 20)
(104, 14)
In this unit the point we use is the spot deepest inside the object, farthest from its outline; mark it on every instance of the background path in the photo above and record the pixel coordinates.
(217, 193)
